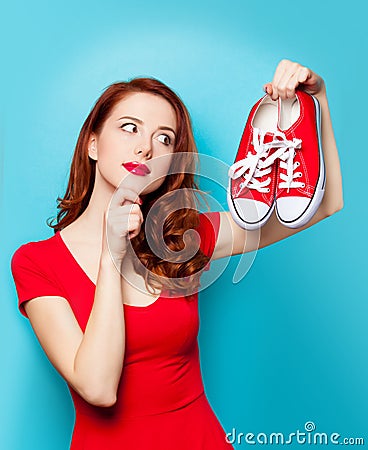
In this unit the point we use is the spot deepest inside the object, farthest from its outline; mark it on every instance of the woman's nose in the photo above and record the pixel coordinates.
(143, 149)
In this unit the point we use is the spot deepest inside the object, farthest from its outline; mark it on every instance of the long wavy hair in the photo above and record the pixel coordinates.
(173, 274)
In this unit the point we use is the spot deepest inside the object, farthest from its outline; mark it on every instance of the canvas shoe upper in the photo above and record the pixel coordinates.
(301, 171)
(252, 177)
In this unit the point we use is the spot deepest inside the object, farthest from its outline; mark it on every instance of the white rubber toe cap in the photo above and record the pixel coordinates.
(251, 211)
(290, 209)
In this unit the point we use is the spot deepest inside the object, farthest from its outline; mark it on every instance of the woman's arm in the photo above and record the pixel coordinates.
(100, 356)
(232, 239)
(91, 362)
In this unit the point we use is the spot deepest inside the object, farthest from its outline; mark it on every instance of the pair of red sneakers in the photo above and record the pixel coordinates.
(279, 163)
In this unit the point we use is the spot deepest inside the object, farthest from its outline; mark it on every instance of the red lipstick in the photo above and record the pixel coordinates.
(136, 168)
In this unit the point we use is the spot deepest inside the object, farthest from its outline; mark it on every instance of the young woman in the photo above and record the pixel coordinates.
(125, 338)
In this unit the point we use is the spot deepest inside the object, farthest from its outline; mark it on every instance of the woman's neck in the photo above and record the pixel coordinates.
(89, 223)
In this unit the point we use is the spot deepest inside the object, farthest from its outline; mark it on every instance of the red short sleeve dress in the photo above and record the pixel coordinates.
(161, 402)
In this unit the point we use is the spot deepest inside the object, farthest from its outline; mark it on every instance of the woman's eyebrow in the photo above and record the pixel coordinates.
(132, 118)
(141, 122)
(167, 128)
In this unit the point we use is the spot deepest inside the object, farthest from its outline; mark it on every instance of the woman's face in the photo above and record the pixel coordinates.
(141, 128)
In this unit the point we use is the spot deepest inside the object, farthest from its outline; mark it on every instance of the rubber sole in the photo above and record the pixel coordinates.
(311, 209)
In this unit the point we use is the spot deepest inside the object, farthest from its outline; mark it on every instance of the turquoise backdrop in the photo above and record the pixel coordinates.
(287, 344)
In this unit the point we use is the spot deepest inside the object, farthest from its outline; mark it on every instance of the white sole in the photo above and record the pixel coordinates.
(311, 209)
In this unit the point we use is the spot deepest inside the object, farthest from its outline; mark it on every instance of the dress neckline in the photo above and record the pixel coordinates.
(76, 263)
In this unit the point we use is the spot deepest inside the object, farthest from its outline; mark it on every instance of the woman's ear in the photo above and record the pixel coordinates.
(92, 147)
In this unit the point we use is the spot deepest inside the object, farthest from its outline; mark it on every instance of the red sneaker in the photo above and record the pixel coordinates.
(252, 177)
(299, 192)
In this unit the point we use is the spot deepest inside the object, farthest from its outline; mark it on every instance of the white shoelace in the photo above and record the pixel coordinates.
(287, 163)
(257, 165)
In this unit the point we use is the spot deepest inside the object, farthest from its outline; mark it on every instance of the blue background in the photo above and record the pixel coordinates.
(288, 343)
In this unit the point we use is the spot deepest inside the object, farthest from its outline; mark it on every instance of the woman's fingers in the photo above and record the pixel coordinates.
(122, 225)
(134, 220)
(284, 80)
(291, 81)
(288, 76)
(268, 88)
(280, 73)
(135, 213)
(134, 224)
(124, 221)
(303, 74)
(123, 194)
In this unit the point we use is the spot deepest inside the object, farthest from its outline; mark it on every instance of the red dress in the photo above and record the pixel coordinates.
(161, 403)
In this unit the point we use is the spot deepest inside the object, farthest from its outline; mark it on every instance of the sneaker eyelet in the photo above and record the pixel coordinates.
(303, 185)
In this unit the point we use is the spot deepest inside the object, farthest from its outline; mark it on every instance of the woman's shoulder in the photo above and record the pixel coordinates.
(36, 250)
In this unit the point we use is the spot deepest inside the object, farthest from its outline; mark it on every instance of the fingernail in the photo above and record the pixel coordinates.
(265, 89)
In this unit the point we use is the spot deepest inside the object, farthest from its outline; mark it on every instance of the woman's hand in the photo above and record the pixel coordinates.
(289, 76)
(122, 220)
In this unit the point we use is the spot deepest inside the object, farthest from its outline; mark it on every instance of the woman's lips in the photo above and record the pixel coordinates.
(136, 168)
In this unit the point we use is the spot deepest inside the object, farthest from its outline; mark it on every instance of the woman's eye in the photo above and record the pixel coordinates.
(130, 127)
(165, 139)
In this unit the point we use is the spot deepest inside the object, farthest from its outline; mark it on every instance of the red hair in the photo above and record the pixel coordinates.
(159, 272)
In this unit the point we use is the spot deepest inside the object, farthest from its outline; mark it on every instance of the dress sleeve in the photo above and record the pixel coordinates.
(208, 231)
(30, 278)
